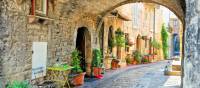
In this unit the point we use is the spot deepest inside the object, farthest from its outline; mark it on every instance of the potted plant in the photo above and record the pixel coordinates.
(114, 64)
(120, 41)
(137, 56)
(156, 47)
(128, 59)
(97, 63)
(145, 59)
(78, 74)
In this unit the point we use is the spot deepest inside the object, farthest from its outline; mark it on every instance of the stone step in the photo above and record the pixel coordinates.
(176, 67)
(173, 73)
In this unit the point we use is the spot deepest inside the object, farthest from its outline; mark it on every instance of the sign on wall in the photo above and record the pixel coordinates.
(39, 59)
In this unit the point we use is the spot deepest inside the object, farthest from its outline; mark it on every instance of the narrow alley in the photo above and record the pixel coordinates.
(99, 43)
(138, 76)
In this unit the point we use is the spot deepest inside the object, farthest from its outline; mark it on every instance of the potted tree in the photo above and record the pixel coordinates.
(97, 63)
(78, 74)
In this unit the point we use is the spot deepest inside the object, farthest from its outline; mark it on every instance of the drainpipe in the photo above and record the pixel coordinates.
(154, 28)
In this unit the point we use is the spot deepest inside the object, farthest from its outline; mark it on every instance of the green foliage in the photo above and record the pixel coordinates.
(155, 44)
(120, 38)
(17, 84)
(128, 59)
(145, 60)
(75, 55)
(97, 58)
(137, 56)
(112, 43)
(164, 35)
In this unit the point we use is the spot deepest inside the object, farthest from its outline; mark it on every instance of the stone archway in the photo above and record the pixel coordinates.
(83, 44)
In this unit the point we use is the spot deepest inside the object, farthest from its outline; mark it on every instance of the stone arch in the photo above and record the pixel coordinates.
(176, 6)
(84, 45)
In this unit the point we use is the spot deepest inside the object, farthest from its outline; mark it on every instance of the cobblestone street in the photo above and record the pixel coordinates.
(139, 76)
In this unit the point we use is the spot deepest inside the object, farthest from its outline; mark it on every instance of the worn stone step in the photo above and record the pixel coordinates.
(173, 73)
(176, 67)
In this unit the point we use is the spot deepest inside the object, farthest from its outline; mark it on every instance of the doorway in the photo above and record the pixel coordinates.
(83, 44)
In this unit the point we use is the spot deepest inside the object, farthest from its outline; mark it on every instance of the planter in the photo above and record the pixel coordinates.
(114, 64)
(134, 62)
(78, 79)
(97, 71)
(150, 57)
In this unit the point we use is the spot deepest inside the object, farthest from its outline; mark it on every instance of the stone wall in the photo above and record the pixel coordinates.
(17, 36)
(191, 78)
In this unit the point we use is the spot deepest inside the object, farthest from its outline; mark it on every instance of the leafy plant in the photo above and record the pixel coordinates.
(137, 56)
(128, 59)
(112, 43)
(75, 55)
(97, 58)
(145, 59)
(17, 84)
(120, 38)
(164, 35)
(155, 44)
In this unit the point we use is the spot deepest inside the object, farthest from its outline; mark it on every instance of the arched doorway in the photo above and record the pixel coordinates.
(83, 44)
(110, 40)
(101, 38)
(138, 43)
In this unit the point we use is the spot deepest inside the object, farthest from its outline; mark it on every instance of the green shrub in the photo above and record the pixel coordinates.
(97, 58)
(120, 38)
(75, 55)
(17, 84)
(128, 59)
(155, 44)
(137, 56)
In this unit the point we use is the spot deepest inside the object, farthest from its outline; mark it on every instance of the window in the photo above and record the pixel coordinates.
(127, 42)
(39, 7)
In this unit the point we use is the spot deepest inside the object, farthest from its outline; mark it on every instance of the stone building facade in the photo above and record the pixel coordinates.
(19, 29)
(144, 17)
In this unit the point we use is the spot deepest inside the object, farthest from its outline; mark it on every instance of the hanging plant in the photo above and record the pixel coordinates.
(120, 38)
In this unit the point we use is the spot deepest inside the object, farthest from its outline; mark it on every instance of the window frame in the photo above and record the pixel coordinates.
(43, 7)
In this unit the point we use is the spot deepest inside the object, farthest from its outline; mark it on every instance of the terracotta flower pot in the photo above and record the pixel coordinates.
(78, 79)
(97, 71)
(134, 62)
(114, 64)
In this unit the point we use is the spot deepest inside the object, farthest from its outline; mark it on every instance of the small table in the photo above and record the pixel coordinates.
(59, 74)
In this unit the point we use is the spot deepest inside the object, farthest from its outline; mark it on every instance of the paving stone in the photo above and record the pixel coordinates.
(141, 76)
